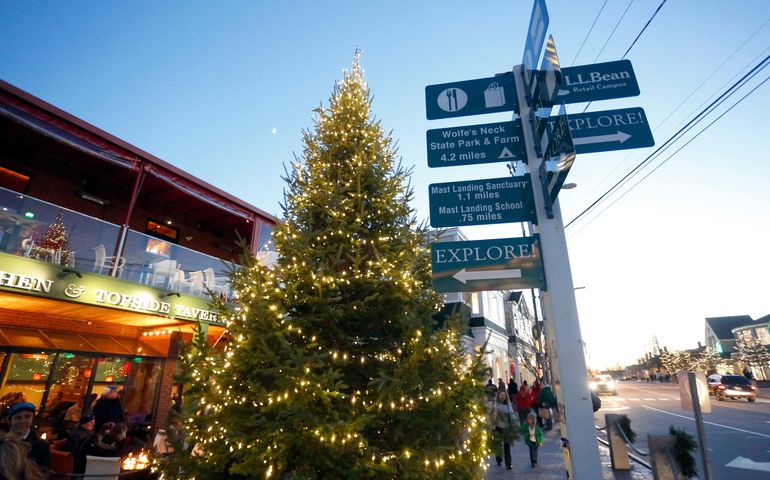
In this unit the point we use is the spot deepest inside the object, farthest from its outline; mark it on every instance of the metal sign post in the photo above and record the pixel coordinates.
(562, 323)
(696, 412)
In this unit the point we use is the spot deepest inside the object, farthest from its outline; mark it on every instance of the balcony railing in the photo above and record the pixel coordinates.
(33, 228)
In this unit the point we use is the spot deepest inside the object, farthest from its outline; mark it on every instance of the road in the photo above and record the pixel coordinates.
(735, 428)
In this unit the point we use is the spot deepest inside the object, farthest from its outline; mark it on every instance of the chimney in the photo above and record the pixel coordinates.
(699, 345)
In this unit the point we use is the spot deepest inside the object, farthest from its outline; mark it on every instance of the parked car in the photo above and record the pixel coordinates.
(604, 384)
(733, 386)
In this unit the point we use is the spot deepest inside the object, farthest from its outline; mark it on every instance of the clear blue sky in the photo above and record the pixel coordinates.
(203, 85)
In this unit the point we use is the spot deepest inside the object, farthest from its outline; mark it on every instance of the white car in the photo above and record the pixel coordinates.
(604, 384)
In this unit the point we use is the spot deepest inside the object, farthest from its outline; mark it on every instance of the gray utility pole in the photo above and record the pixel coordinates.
(568, 365)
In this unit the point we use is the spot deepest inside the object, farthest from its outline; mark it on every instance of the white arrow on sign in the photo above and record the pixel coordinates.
(614, 137)
(749, 464)
(561, 93)
(464, 276)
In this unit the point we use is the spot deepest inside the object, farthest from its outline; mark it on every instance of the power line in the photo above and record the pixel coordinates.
(660, 124)
(716, 70)
(612, 33)
(589, 32)
(644, 28)
(675, 137)
(654, 14)
(673, 154)
(668, 143)
(708, 110)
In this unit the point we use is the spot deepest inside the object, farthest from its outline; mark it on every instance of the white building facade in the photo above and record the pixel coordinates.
(500, 320)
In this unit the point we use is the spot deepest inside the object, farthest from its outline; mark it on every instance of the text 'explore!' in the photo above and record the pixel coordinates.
(495, 264)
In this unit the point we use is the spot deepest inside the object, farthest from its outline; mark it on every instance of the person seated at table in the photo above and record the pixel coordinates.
(81, 442)
(74, 413)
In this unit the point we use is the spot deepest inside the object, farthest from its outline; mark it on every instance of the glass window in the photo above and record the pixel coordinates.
(265, 237)
(13, 180)
(26, 377)
(69, 384)
(137, 380)
(162, 230)
(475, 303)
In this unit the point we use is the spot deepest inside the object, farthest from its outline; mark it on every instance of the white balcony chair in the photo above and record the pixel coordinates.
(219, 285)
(101, 260)
(162, 272)
(104, 467)
(196, 283)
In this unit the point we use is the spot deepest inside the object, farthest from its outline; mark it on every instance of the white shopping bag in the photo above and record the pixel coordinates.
(494, 96)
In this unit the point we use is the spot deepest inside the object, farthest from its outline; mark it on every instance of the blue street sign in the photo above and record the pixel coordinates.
(471, 97)
(550, 70)
(598, 81)
(548, 81)
(474, 144)
(558, 156)
(481, 202)
(538, 25)
(496, 264)
(621, 129)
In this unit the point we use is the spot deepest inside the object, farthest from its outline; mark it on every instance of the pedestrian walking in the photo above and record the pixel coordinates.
(504, 432)
(523, 403)
(747, 373)
(533, 437)
(500, 384)
(513, 389)
(546, 401)
(491, 390)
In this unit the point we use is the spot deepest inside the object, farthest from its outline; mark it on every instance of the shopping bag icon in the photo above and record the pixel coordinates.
(494, 96)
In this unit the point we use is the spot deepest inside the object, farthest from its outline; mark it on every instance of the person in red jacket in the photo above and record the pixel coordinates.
(523, 403)
(533, 393)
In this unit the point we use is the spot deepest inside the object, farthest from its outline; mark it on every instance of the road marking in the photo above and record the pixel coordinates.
(649, 399)
(665, 399)
(749, 464)
(634, 399)
(710, 423)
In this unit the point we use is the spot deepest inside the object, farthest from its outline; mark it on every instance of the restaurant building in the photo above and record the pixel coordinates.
(107, 258)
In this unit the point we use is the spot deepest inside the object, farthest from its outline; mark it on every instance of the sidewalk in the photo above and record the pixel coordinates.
(763, 392)
(551, 464)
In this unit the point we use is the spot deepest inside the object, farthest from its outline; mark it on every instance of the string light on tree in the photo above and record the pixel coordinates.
(335, 362)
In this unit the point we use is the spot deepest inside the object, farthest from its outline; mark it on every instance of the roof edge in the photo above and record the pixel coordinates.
(80, 123)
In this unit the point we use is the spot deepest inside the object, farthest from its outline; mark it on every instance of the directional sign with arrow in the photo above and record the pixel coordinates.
(499, 264)
(621, 129)
(598, 81)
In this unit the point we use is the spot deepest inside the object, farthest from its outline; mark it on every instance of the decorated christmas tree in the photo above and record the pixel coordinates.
(55, 241)
(336, 368)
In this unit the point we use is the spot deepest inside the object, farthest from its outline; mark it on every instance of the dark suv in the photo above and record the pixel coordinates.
(735, 386)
